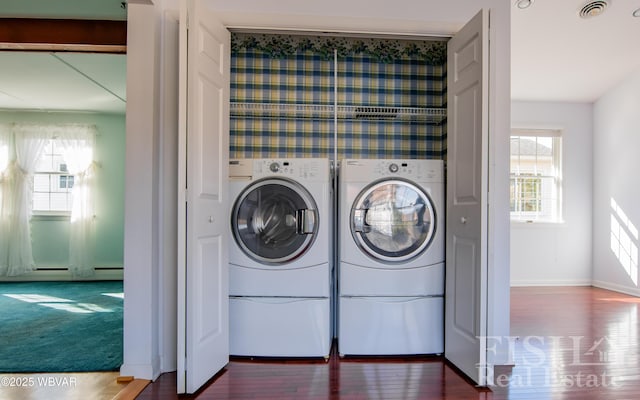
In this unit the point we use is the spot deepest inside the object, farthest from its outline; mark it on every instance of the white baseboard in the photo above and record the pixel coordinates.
(551, 283)
(599, 284)
(142, 371)
(63, 274)
(617, 288)
(168, 364)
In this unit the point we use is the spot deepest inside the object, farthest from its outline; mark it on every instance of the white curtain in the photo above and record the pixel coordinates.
(21, 145)
(5, 145)
(78, 146)
(17, 195)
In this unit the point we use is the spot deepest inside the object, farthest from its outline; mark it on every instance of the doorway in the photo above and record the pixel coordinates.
(52, 92)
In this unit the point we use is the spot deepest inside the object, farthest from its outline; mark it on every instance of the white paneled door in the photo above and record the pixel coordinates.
(203, 300)
(467, 185)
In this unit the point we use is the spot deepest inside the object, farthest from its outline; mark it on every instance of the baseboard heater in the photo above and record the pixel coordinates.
(53, 273)
(66, 268)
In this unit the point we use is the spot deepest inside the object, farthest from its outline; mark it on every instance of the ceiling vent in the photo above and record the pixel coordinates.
(593, 8)
(522, 4)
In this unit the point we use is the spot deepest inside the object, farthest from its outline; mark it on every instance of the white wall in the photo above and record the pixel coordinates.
(143, 263)
(402, 16)
(142, 316)
(616, 166)
(558, 254)
(50, 236)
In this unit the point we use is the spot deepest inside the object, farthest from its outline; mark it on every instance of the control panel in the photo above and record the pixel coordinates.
(292, 168)
(416, 170)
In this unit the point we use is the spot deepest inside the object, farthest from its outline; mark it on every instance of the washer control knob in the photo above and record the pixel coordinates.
(393, 168)
(274, 167)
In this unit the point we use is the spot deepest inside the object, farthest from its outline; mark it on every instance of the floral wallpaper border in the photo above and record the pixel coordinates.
(382, 50)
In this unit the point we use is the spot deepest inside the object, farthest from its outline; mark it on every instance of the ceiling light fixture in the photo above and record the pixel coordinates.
(636, 13)
(593, 8)
(522, 4)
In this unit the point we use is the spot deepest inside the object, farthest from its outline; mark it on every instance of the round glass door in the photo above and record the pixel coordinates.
(274, 220)
(393, 220)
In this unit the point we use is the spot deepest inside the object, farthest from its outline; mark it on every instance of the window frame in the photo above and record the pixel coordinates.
(557, 148)
(45, 214)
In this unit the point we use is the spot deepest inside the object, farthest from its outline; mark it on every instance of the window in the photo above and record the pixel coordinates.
(536, 175)
(52, 183)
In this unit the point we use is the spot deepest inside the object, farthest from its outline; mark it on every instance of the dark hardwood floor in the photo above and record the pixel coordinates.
(567, 343)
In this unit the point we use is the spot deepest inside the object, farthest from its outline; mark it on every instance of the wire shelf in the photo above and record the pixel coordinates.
(278, 110)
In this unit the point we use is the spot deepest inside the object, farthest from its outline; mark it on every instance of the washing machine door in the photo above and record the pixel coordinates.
(274, 221)
(393, 220)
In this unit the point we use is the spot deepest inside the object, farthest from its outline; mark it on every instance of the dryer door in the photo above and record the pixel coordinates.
(274, 220)
(393, 220)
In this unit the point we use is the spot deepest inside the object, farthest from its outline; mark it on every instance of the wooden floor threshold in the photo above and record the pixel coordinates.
(132, 390)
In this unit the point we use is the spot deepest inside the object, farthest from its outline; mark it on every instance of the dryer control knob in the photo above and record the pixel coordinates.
(393, 168)
(274, 167)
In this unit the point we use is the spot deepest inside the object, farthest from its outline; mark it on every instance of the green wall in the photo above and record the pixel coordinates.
(50, 235)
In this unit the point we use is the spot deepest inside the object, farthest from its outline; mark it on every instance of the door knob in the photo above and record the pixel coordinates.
(463, 220)
(211, 219)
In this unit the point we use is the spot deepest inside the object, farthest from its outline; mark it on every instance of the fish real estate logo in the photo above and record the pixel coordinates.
(557, 361)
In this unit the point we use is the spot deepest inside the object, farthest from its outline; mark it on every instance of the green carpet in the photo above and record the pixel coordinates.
(60, 326)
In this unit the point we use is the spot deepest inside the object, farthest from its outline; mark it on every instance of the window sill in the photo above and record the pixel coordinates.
(51, 216)
(538, 224)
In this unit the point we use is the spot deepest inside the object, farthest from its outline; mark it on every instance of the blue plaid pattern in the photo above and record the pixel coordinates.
(304, 77)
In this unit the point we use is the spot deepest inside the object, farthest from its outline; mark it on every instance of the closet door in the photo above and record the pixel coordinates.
(203, 301)
(467, 185)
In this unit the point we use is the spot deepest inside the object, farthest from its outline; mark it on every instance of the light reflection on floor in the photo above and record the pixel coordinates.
(65, 304)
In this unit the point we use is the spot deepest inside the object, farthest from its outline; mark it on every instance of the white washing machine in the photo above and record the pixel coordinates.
(392, 252)
(280, 258)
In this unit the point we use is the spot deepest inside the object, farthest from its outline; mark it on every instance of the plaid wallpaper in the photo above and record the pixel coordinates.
(305, 75)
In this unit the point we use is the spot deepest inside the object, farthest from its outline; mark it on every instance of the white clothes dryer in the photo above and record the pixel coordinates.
(392, 251)
(280, 257)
